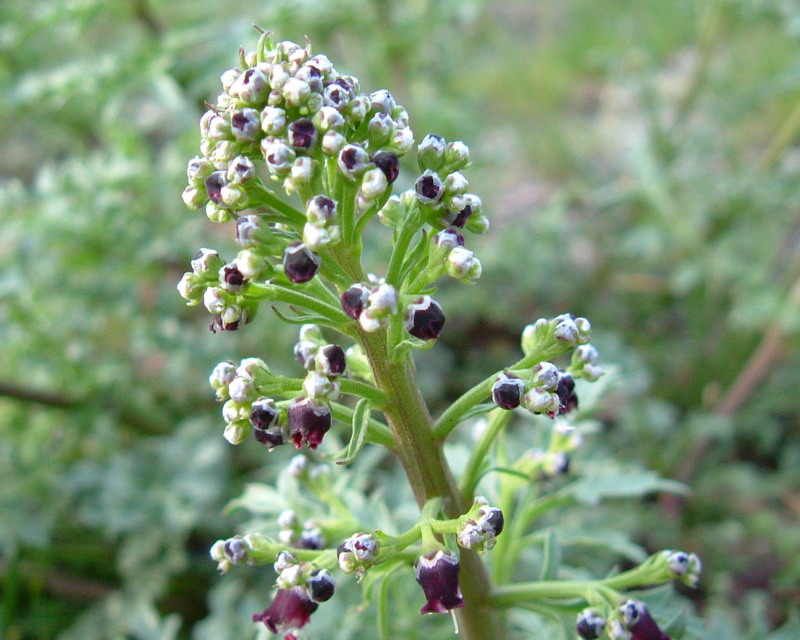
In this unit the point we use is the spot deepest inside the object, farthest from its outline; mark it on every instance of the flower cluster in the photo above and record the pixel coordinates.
(632, 621)
(358, 553)
(480, 529)
(301, 586)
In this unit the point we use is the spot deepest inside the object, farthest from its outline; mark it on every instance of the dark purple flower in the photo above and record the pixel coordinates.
(493, 521)
(566, 393)
(336, 96)
(300, 264)
(331, 360)
(218, 324)
(232, 279)
(311, 539)
(353, 160)
(430, 188)
(590, 624)
(387, 162)
(462, 216)
(246, 124)
(507, 391)
(272, 437)
(264, 413)
(321, 585)
(437, 574)
(214, 184)
(424, 318)
(291, 609)
(309, 421)
(354, 299)
(236, 549)
(302, 134)
(639, 621)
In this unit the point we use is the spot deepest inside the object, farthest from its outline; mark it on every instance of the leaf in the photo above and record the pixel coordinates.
(611, 481)
(302, 318)
(360, 422)
(259, 498)
(552, 556)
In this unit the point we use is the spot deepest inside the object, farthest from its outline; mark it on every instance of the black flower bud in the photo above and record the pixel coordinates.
(353, 161)
(246, 124)
(264, 413)
(429, 187)
(430, 152)
(321, 585)
(590, 624)
(566, 393)
(214, 184)
(424, 318)
(354, 300)
(302, 134)
(507, 391)
(387, 162)
(299, 263)
(437, 574)
(331, 360)
(309, 421)
(231, 279)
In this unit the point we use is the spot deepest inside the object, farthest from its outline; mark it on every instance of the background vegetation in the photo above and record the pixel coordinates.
(638, 162)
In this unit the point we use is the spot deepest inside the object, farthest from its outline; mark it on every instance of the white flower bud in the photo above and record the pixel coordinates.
(302, 170)
(240, 169)
(221, 377)
(369, 323)
(285, 559)
(215, 300)
(328, 118)
(278, 77)
(459, 262)
(298, 465)
(237, 432)
(273, 121)
(251, 87)
(382, 301)
(402, 141)
(295, 92)
(287, 520)
(315, 237)
(382, 101)
(193, 197)
(456, 155)
(455, 184)
(333, 142)
(538, 400)
(317, 386)
(546, 375)
(373, 184)
(290, 577)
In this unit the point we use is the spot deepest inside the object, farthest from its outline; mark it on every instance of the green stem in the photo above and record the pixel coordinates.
(291, 296)
(377, 432)
(268, 198)
(407, 230)
(498, 419)
(351, 387)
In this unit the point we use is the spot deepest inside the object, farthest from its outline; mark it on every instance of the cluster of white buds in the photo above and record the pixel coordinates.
(442, 189)
(244, 407)
(686, 567)
(566, 328)
(358, 553)
(584, 363)
(230, 552)
(547, 391)
(370, 304)
(479, 532)
(220, 286)
(449, 255)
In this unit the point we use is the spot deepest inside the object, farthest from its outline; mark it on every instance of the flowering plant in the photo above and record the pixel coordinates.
(288, 118)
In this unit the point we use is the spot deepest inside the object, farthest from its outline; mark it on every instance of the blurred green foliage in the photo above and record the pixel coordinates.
(638, 162)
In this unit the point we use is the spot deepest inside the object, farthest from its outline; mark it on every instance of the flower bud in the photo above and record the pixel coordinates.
(251, 87)
(315, 237)
(538, 400)
(358, 108)
(477, 224)
(336, 95)
(357, 553)
(264, 413)
(236, 549)
(456, 184)
(311, 538)
(388, 163)
(198, 170)
(566, 393)
(354, 300)
(430, 153)
(429, 188)
(192, 287)
(302, 134)
(448, 239)
(329, 119)
(437, 574)
(304, 352)
(285, 559)
(424, 318)
(321, 585)
(330, 360)
(291, 609)
(290, 577)
(273, 121)
(373, 185)
(214, 184)
(393, 212)
(380, 127)
(246, 125)
(228, 78)
(382, 101)
(460, 262)
(319, 387)
(456, 156)
(221, 377)
(219, 128)
(321, 210)
(298, 466)
(309, 421)
(299, 263)
(193, 197)
(507, 391)
(352, 161)
(333, 142)
(240, 170)
(236, 432)
(382, 301)
(279, 157)
(296, 92)
(545, 375)
(231, 279)
(590, 624)
(215, 300)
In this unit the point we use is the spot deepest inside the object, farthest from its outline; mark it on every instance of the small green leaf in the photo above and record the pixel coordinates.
(360, 422)
(552, 556)
(676, 627)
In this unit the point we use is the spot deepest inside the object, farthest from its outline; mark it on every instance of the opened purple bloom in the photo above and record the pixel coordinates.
(437, 574)
(291, 609)
(309, 421)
